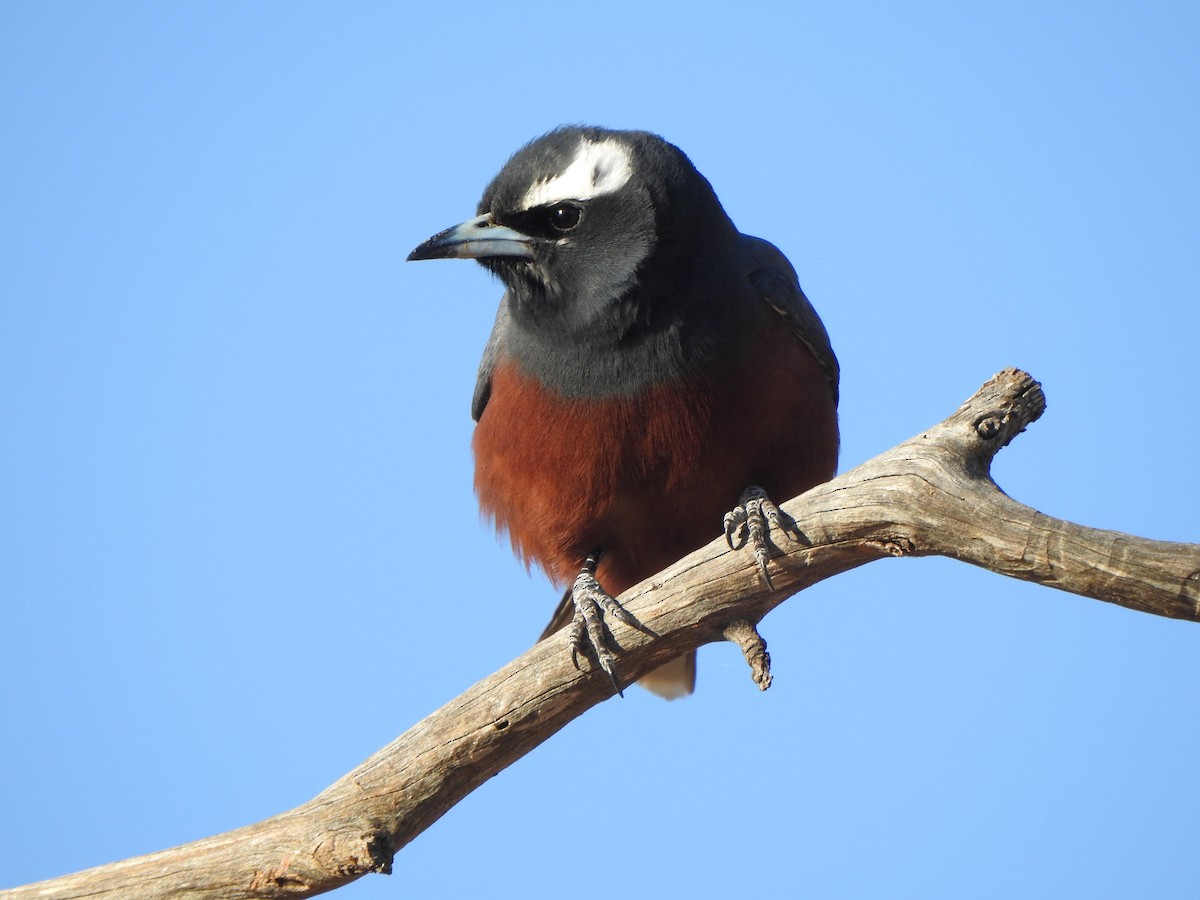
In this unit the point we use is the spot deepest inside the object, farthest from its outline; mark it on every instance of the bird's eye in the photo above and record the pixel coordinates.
(563, 217)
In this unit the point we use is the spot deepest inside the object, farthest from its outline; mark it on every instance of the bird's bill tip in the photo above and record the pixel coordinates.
(478, 238)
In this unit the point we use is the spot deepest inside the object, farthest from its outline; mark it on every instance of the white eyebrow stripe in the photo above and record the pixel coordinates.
(599, 167)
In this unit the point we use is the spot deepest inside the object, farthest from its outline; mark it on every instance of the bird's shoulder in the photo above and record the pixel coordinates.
(775, 281)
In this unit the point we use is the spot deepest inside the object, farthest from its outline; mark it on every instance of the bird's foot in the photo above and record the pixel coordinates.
(592, 602)
(750, 522)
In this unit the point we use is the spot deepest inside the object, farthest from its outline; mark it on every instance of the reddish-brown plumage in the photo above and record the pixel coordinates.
(648, 478)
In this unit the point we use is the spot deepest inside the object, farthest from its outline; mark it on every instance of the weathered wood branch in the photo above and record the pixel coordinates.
(931, 495)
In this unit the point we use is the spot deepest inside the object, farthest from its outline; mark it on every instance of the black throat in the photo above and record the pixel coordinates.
(676, 319)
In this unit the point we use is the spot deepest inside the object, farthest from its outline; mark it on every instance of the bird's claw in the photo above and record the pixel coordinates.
(592, 603)
(750, 522)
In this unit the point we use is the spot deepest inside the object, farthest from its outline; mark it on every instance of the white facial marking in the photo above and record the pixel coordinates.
(599, 167)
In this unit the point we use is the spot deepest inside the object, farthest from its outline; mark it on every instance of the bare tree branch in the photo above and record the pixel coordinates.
(931, 495)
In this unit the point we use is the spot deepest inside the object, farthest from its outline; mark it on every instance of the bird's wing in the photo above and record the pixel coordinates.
(775, 280)
(491, 351)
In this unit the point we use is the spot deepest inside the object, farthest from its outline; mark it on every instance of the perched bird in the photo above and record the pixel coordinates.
(651, 373)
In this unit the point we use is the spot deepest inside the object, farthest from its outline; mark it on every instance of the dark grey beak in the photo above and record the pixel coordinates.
(476, 239)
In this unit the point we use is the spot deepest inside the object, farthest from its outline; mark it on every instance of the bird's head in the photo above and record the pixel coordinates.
(584, 225)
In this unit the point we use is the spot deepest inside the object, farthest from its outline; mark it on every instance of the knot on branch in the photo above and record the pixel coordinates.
(989, 427)
(349, 854)
(896, 545)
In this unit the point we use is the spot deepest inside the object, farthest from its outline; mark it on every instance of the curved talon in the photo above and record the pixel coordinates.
(735, 520)
(575, 638)
(760, 556)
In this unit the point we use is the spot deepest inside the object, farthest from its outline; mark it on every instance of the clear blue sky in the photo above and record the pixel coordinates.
(237, 532)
